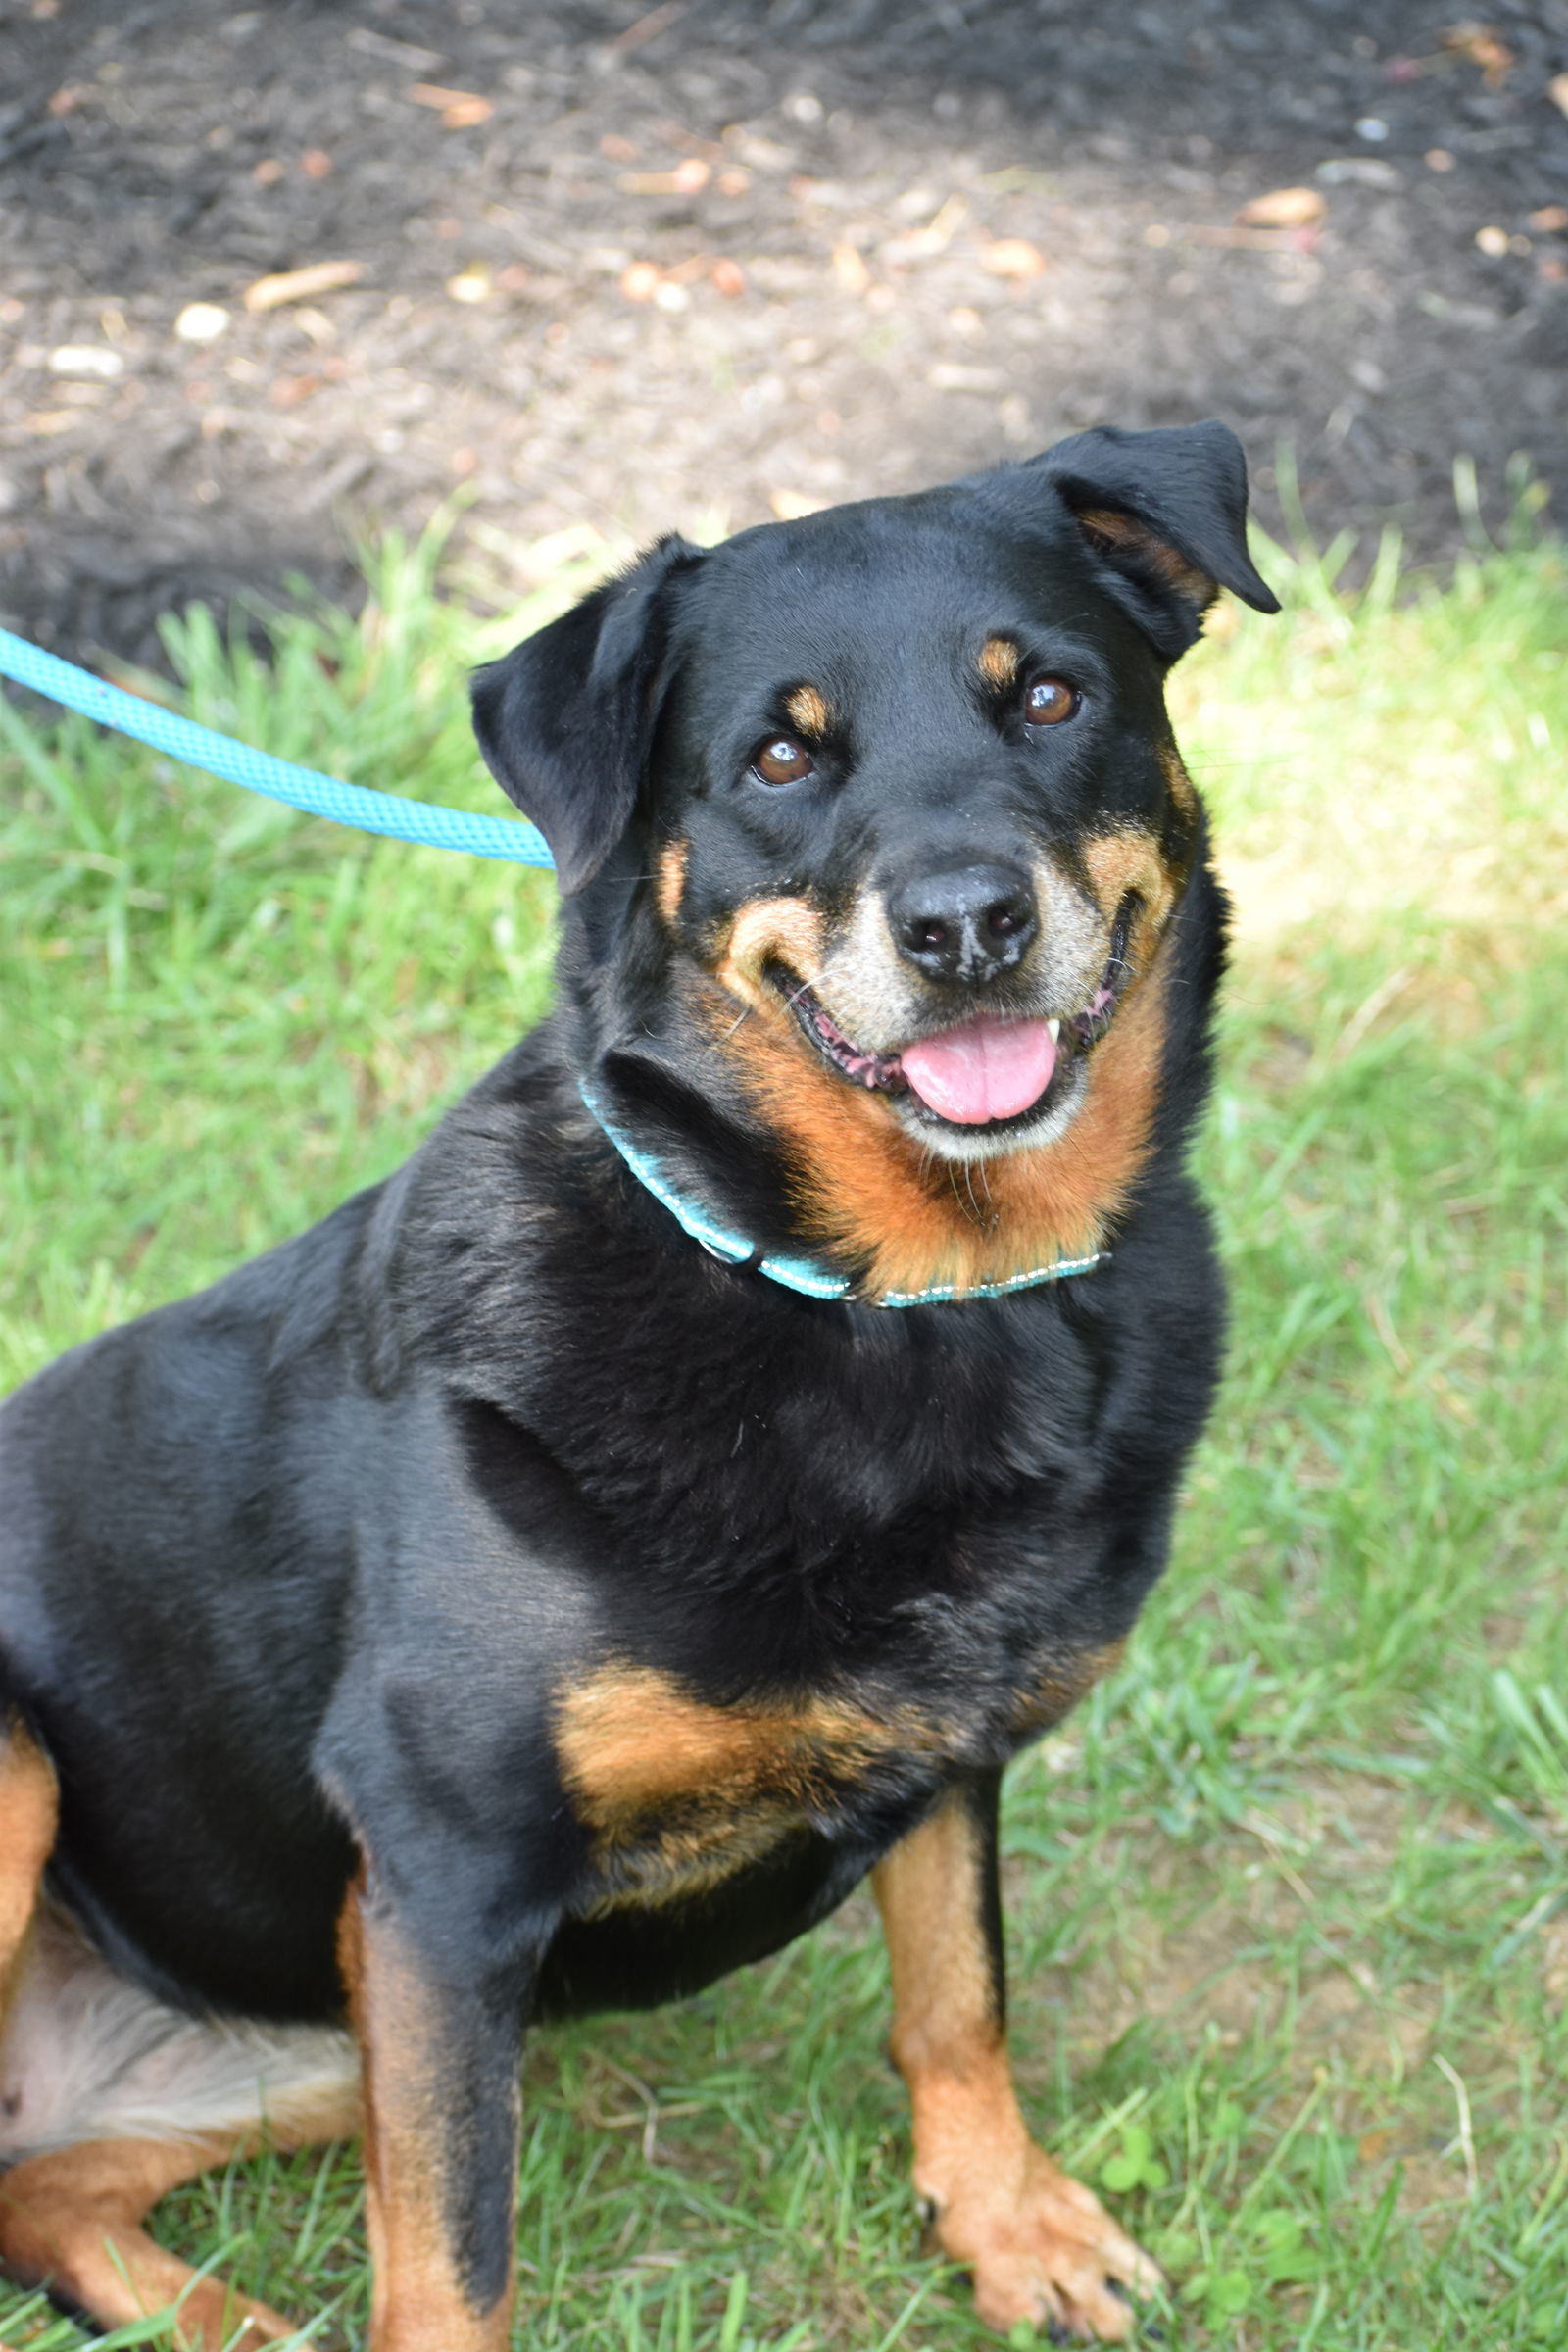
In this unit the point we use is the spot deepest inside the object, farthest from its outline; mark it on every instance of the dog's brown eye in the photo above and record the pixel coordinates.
(783, 761)
(1048, 702)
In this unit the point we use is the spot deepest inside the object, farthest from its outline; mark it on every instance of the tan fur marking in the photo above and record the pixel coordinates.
(864, 1189)
(786, 930)
(29, 1812)
(670, 886)
(633, 1743)
(1178, 783)
(1118, 862)
(1039, 2245)
(998, 661)
(672, 1866)
(808, 710)
(1060, 1685)
(73, 2222)
(1123, 534)
(418, 2300)
(928, 1891)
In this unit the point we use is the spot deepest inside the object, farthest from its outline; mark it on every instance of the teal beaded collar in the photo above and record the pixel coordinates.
(803, 1274)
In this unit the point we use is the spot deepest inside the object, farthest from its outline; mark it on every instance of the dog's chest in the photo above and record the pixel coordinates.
(677, 1794)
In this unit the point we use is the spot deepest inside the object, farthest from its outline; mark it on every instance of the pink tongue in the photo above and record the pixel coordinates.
(986, 1070)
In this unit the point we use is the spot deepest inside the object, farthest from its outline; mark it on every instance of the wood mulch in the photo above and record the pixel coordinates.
(600, 266)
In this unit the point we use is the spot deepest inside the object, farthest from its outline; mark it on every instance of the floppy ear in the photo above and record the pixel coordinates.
(566, 718)
(1164, 514)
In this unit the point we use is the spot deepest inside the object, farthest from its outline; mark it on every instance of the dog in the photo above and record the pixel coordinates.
(755, 1414)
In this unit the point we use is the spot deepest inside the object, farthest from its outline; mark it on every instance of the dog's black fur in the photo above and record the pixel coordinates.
(297, 1575)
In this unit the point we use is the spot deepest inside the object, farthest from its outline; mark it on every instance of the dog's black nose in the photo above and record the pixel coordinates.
(970, 925)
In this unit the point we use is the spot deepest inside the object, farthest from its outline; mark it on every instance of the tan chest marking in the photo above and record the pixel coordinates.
(682, 1795)
(633, 1746)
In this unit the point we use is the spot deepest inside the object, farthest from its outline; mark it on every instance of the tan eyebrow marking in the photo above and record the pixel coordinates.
(808, 710)
(999, 661)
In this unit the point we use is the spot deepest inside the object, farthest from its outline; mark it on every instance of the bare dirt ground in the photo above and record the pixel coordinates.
(608, 265)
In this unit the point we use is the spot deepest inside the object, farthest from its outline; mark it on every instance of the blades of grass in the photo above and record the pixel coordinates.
(53, 774)
(729, 2333)
(1467, 500)
(1377, 597)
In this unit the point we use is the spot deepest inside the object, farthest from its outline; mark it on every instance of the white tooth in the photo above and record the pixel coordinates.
(1054, 1028)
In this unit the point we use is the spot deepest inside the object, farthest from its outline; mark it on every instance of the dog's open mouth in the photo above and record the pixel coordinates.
(982, 1073)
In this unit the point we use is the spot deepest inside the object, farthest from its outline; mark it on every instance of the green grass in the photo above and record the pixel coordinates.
(1289, 1898)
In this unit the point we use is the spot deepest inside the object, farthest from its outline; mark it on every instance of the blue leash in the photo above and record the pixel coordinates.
(425, 821)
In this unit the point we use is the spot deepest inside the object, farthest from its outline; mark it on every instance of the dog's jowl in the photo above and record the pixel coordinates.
(565, 1573)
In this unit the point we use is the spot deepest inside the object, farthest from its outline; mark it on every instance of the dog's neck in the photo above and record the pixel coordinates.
(812, 1278)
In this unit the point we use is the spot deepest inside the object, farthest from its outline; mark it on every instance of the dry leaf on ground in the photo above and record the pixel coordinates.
(85, 360)
(201, 322)
(1283, 208)
(302, 285)
(849, 269)
(460, 110)
(688, 178)
(436, 95)
(1012, 257)
(1483, 47)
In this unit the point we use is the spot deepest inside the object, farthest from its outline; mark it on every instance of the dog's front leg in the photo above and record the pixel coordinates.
(1040, 2246)
(442, 2108)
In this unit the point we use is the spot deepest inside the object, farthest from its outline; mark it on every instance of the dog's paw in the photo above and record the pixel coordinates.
(212, 2318)
(1041, 2247)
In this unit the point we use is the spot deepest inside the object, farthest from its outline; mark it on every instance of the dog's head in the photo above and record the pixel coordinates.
(872, 828)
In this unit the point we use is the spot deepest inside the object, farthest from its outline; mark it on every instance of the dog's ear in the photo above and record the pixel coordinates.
(1164, 516)
(564, 720)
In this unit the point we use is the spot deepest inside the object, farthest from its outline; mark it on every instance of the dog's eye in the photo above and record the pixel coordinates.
(1049, 701)
(783, 761)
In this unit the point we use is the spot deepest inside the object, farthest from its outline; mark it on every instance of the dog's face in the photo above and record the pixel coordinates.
(908, 803)
(885, 802)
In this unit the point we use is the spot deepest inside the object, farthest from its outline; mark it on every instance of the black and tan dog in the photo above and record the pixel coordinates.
(494, 1605)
